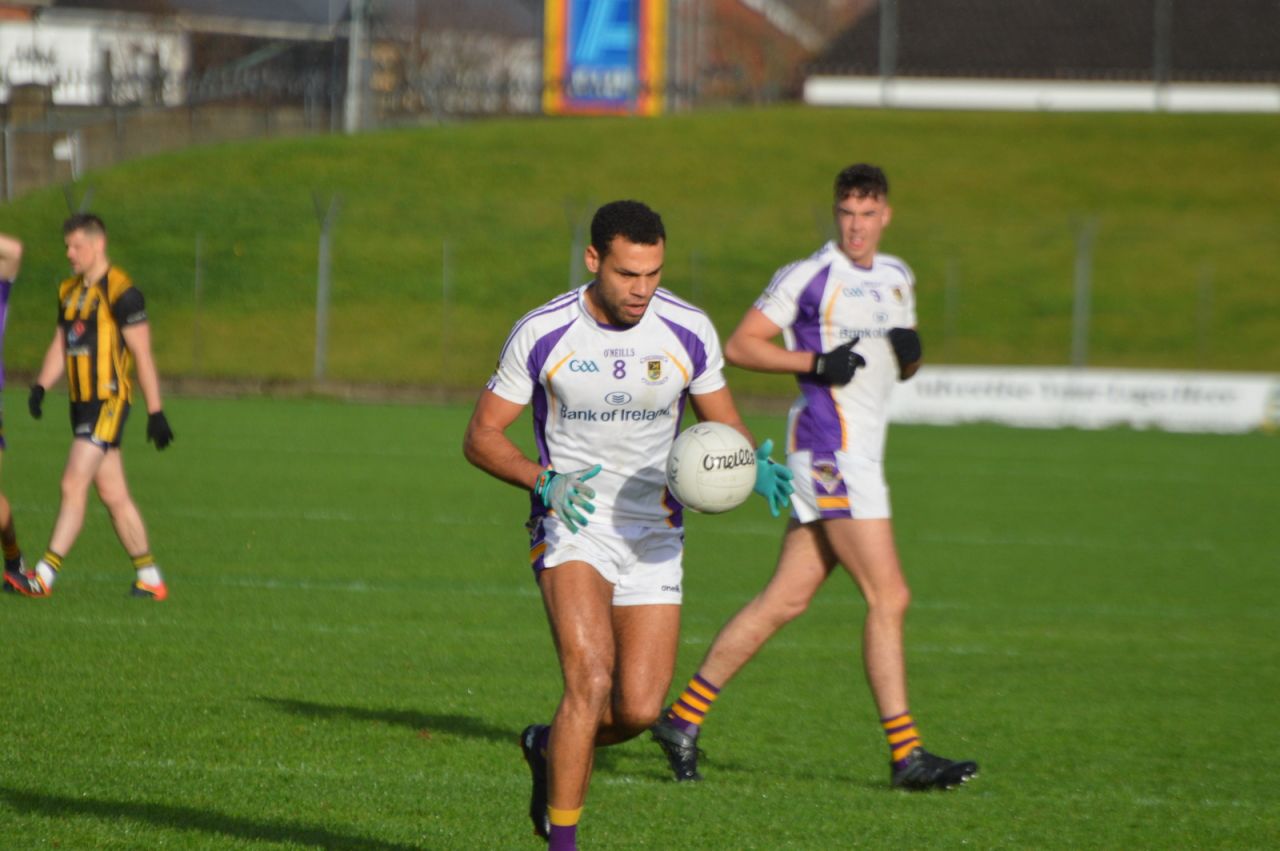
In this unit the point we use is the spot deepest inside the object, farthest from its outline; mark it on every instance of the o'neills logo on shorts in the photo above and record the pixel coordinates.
(728, 460)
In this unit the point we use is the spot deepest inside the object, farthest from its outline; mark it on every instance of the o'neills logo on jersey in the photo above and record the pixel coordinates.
(729, 460)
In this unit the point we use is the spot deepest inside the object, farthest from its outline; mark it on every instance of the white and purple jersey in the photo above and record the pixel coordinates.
(611, 395)
(825, 301)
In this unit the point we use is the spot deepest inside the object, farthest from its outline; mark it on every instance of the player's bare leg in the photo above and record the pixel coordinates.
(83, 461)
(579, 604)
(645, 638)
(113, 490)
(803, 565)
(867, 549)
(8, 534)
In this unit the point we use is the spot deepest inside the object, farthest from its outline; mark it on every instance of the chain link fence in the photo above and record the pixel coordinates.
(409, 61)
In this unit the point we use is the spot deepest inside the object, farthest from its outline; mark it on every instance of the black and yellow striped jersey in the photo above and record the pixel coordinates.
(90, 318)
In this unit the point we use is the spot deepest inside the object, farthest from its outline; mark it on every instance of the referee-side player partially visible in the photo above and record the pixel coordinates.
(102, 333)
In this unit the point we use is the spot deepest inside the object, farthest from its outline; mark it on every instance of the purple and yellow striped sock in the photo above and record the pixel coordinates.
(691, 708)
(903, 737)
(564, 829)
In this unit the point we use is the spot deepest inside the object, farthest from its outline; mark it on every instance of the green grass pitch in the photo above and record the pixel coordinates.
(353, 643)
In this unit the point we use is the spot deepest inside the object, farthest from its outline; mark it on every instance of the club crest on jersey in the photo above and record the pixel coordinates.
(897, 295)
(826, 474)
(655, 371)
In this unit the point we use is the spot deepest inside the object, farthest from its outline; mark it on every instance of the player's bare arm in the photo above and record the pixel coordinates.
(718, 406)
(487, 446)
(753, 345)
(55, 361)
(10, 256)
(138, 339)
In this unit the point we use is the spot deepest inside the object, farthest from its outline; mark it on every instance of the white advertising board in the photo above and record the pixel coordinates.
(1045, 397)
(1040, 95)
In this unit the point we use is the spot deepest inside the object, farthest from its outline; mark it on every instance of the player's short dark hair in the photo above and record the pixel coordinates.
(87, 222)
(861, 181)
(631, 220)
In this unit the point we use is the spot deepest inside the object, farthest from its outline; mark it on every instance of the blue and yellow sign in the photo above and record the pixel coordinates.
(604, 56)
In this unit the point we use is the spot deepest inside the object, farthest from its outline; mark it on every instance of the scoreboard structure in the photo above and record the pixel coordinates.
(604, 57)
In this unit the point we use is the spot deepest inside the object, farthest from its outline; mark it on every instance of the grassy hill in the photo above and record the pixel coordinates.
(446, 234)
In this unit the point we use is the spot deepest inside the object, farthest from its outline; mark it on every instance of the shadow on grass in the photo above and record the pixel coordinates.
(188, 818)
(424, 723)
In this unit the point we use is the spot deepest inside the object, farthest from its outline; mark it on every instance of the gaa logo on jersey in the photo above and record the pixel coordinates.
(583, 366)
(655, 371)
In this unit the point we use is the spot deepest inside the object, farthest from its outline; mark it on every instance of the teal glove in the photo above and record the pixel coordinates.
(565, 493)
(773, 480)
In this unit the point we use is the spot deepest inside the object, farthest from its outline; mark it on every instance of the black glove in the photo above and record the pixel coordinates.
(35, 401)
(906, 347)
(158, 430)
(838, 365)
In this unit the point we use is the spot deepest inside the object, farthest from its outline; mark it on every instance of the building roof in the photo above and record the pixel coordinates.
(1236, 40)
(313, 12)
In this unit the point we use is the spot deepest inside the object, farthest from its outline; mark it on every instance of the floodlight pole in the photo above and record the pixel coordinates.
(888, 47)
(1162, 53)
(357, 47)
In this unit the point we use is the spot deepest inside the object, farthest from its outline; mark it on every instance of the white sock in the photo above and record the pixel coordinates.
(150, 575)
(46, 572)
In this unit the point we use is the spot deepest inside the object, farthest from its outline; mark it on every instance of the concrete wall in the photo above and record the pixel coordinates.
(43, 144)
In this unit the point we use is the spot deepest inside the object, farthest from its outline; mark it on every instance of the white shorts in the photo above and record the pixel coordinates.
(644, 564)
(831, 485)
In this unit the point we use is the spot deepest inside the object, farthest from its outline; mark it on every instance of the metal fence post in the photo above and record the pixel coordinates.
(326, 215)
(950, 306)
(1085, 235)
(195, 318)
(1204, 313)
(446, 291)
